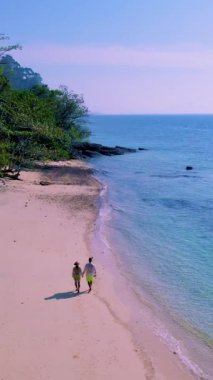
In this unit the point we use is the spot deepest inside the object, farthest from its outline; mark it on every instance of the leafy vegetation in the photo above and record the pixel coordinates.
(19, 77)
(7, 48)
(36, 123)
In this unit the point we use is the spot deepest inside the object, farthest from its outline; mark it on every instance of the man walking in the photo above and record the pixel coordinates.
(90, 272)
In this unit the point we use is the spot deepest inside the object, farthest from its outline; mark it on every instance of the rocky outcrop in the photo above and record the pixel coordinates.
(91, 150)
(45, 183)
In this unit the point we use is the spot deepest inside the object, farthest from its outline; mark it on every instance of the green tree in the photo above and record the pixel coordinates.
(3, 50)
(6, 49)
(36, 123)
(71, 113)
(31, 128)
(20, 77)
(69, 110)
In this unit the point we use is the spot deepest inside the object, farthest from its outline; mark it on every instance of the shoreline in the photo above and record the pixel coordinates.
(141, 323)
(48, 331)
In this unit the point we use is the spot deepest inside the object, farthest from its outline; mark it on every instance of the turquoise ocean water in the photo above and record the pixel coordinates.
(161, 216)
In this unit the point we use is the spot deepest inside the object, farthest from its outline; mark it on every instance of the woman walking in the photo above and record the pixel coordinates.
(77, 274)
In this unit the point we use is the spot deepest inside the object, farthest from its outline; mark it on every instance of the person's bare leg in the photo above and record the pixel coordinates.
(76, 285)
(78, 290)
(90, 286)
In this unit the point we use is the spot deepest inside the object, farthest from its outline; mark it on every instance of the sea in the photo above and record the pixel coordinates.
(159, 218)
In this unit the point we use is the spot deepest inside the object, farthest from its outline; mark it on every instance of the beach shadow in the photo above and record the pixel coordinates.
(63, 296)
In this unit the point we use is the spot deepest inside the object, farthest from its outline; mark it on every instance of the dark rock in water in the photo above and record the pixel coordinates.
(189, 167)
(90, 153)
(44, 183)
(142, 149)
(125, 150)
(90, 150)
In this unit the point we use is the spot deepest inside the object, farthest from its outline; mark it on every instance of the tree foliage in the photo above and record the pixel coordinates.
(37, 123)
(19, 77)
(6, 49)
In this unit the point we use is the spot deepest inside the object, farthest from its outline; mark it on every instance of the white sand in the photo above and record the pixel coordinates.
(46, 331)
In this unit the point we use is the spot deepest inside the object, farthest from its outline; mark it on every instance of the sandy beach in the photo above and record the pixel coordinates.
(47, 330)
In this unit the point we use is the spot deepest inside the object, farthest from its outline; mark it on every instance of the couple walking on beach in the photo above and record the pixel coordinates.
(89, 271)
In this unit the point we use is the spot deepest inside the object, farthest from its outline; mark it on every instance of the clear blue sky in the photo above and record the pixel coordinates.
(124, 56)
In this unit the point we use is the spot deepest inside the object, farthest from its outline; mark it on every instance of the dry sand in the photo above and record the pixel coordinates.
(46, 330)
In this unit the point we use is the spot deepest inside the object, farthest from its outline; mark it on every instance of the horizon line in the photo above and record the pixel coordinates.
(149, 114)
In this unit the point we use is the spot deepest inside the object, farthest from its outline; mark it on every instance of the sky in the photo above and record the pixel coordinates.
(123, 56)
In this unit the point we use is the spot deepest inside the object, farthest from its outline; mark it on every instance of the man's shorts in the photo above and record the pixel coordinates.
(90, 278)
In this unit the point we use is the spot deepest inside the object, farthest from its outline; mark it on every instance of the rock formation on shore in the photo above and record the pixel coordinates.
(86, 149)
